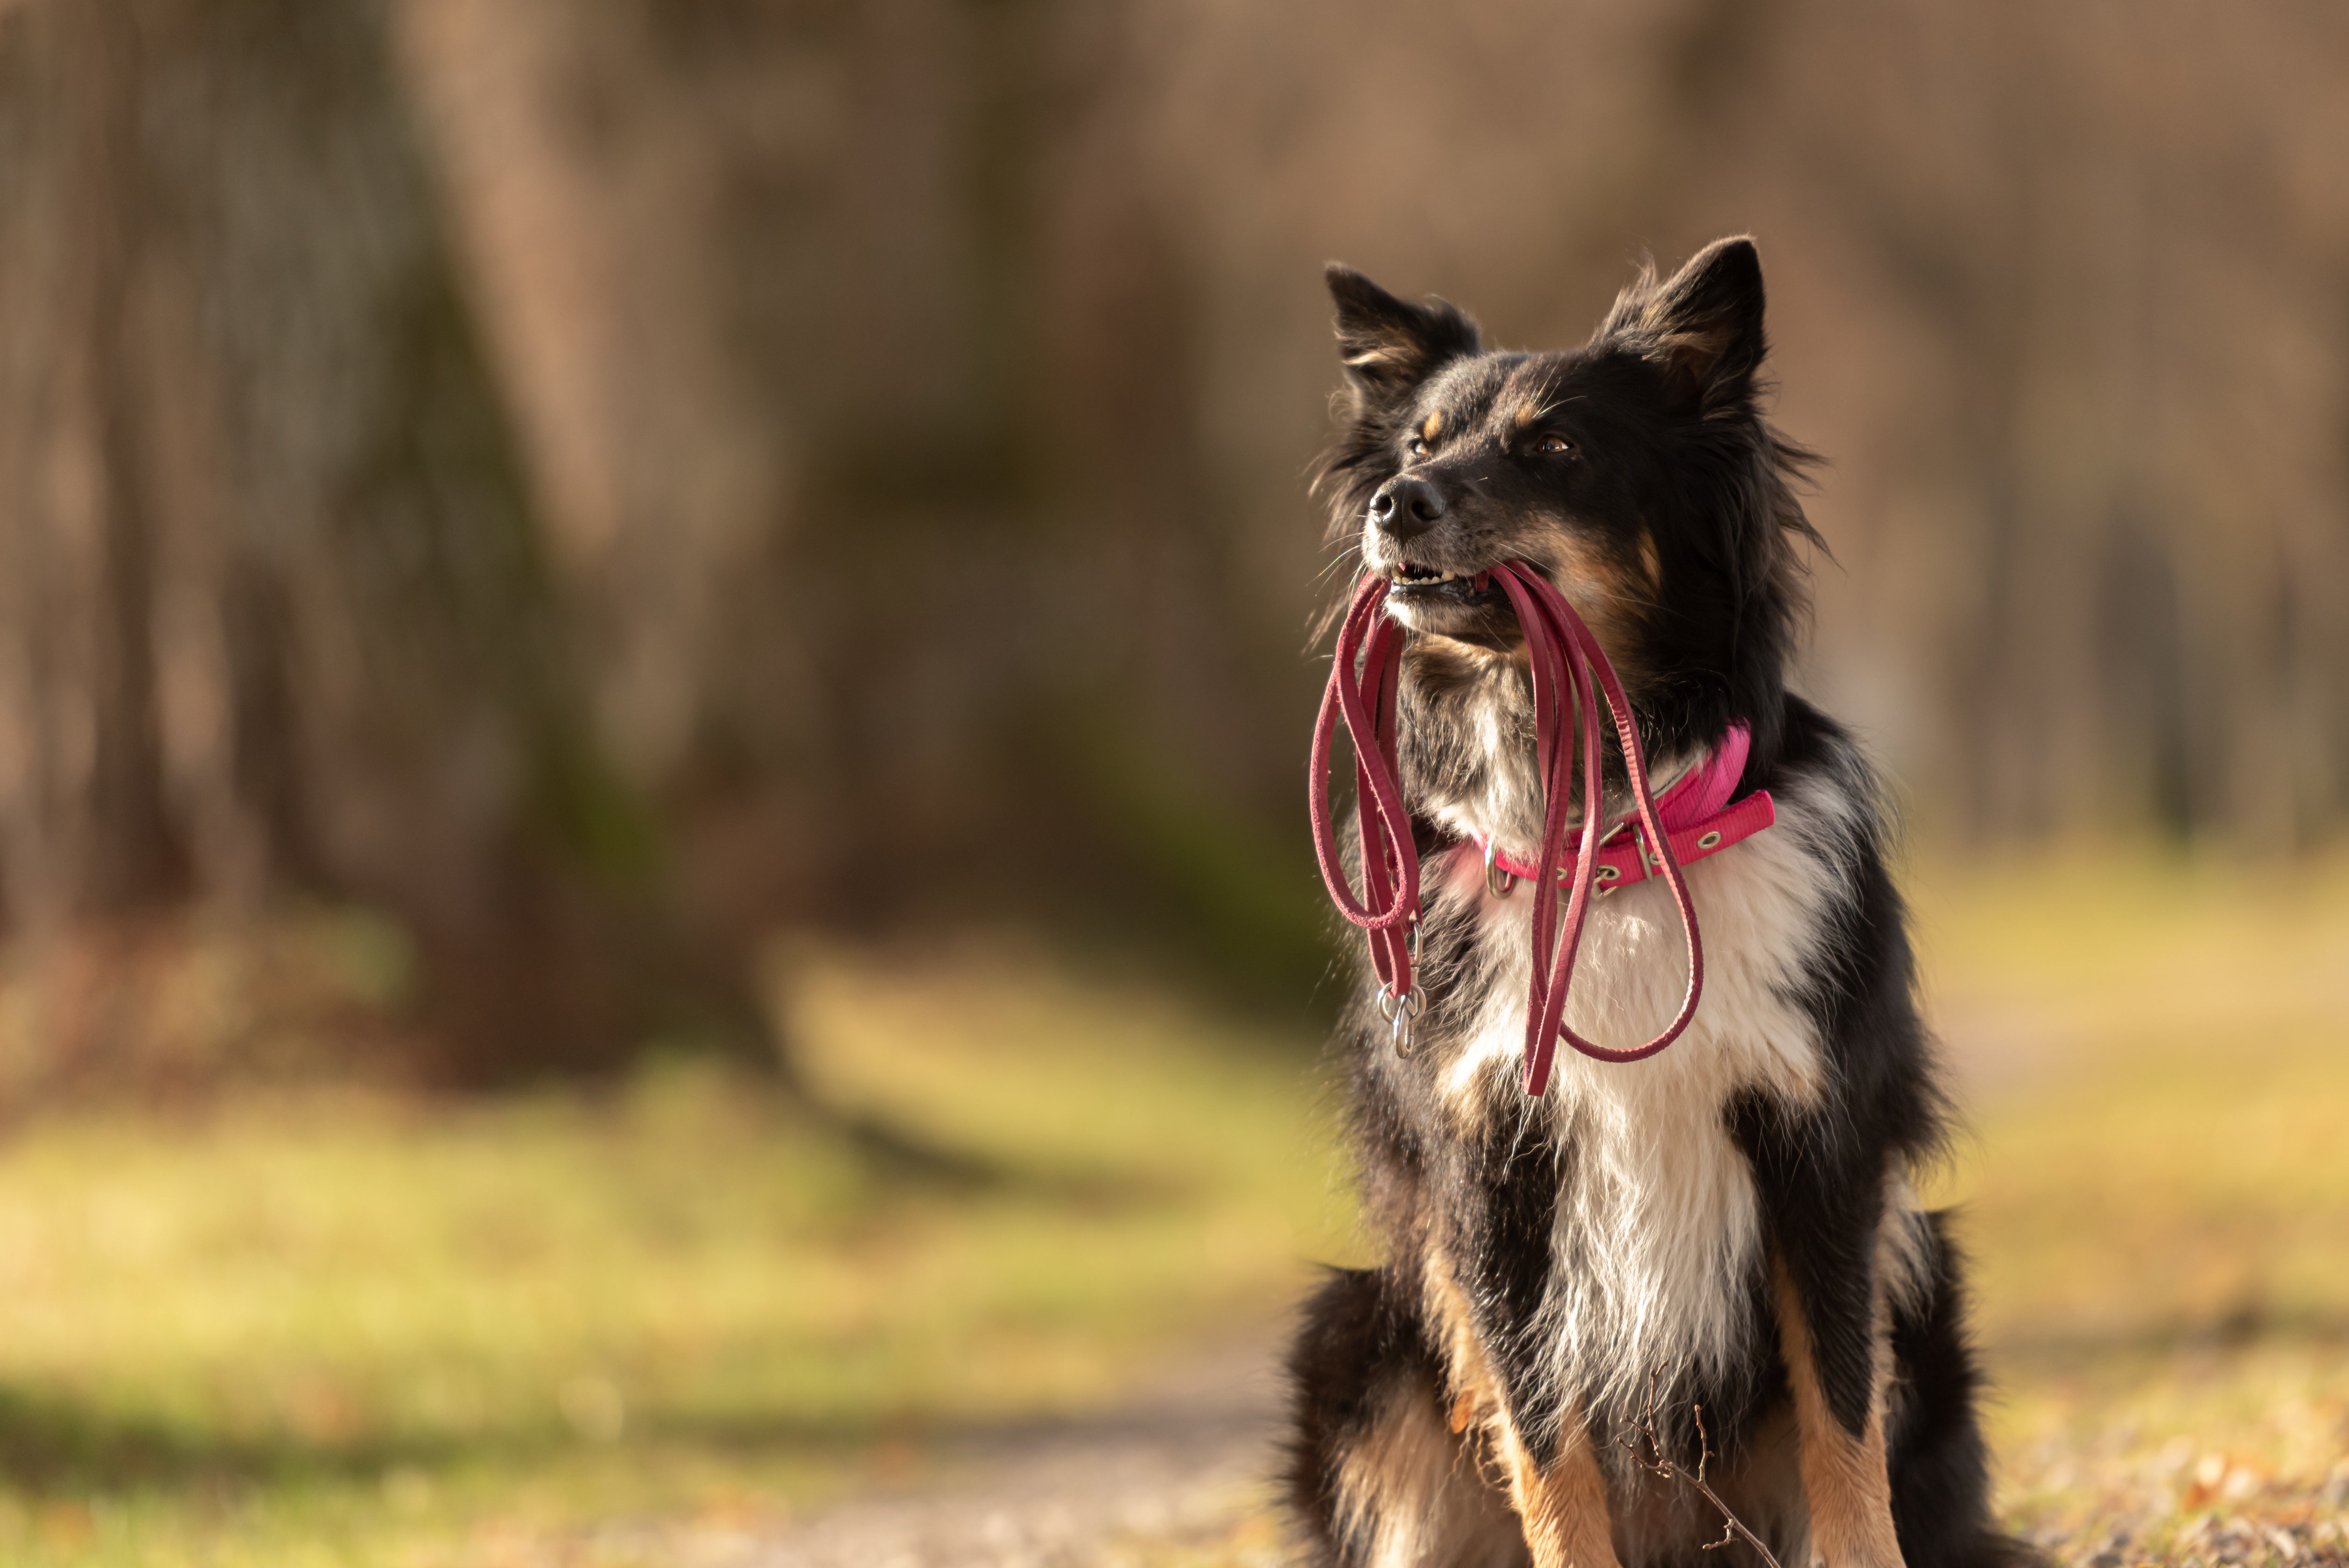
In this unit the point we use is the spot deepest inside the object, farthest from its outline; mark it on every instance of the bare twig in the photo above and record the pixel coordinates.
(1660, 1465)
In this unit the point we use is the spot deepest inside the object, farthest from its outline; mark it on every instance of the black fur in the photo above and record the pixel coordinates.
(1940, 1480)
(1640, 473)
(1686, 454)
(1363, 1339)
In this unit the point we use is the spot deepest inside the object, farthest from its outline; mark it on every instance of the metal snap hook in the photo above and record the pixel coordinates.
(1405, 1018)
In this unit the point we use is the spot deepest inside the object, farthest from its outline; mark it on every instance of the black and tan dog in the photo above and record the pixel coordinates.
(1728, 1226)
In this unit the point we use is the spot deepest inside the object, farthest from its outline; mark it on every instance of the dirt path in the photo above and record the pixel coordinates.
(1186, 1460)
(1184, 1463)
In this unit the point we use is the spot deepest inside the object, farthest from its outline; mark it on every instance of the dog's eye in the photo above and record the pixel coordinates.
(1416, 447)
(1552, 446)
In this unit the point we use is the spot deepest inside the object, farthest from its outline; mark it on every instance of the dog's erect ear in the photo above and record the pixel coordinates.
(1390, 346)
(1705, 325)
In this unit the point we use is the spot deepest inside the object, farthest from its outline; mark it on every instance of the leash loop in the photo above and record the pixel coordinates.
(1366, 701)
(1571, 678)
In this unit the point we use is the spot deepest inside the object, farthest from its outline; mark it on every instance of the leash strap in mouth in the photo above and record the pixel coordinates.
(1570, 674)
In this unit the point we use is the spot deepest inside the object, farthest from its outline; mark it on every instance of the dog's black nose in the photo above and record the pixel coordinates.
(1404, 508)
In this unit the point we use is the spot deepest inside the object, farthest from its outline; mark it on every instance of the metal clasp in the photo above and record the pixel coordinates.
(1401, 1013)
(1607, 879)
(1498, 883)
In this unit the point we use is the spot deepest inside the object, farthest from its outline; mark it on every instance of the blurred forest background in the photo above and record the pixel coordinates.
(573, 486)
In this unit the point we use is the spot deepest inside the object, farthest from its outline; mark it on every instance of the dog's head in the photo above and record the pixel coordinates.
(1635, 470)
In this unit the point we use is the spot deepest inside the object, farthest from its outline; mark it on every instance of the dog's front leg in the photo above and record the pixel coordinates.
(1845, 1478)
(1560, 1499)
(1562, 1504)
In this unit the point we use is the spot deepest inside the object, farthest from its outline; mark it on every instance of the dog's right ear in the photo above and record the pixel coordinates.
(1390, 346)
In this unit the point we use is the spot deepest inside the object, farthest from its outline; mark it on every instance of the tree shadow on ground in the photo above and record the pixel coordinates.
(52, 1447)
(2240, 1326)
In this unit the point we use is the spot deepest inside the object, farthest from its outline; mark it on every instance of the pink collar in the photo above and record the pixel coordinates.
(1697, 814)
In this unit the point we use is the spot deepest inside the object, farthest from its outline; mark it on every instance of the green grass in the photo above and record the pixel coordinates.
(2157, 1194)
(342, 1327)
(2165, 1293)
(345, 1329)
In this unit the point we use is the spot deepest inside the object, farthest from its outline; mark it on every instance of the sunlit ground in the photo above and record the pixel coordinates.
(349, 1328)
(2158, 1195)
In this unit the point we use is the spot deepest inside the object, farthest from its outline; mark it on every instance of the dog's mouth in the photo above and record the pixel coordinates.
(1415, 580)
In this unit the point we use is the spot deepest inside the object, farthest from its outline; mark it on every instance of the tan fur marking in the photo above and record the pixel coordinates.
(1432, 428)
(1606, 592)
(1844, 1478)
(1526, 414)
(1473, 1384)
(1563, 1507)
(1562, 1510)
(1692, 350)
(1703, 345)
(1409, 1498)
(1439, 664)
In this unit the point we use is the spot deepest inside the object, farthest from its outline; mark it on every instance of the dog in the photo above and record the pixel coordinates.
(1710, 1258)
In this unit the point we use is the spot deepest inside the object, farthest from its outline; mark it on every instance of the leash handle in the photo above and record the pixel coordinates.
(1570, 674)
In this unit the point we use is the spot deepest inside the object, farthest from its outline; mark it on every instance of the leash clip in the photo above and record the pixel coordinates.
(1401, 1015)
(1498, 883)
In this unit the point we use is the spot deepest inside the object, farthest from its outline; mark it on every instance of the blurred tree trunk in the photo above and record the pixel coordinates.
(892, 268)
(92, 834)
(278, 618)
(2135, 435)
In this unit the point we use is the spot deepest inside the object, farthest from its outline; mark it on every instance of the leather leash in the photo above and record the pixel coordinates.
(1570, 674)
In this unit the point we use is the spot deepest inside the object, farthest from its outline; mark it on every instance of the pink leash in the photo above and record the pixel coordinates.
(1388, 909)
(1564, 657)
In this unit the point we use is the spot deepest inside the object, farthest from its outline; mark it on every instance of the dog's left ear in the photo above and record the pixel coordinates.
(1704, 325)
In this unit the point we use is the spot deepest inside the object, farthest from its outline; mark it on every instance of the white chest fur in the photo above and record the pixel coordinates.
(1656, 1230)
